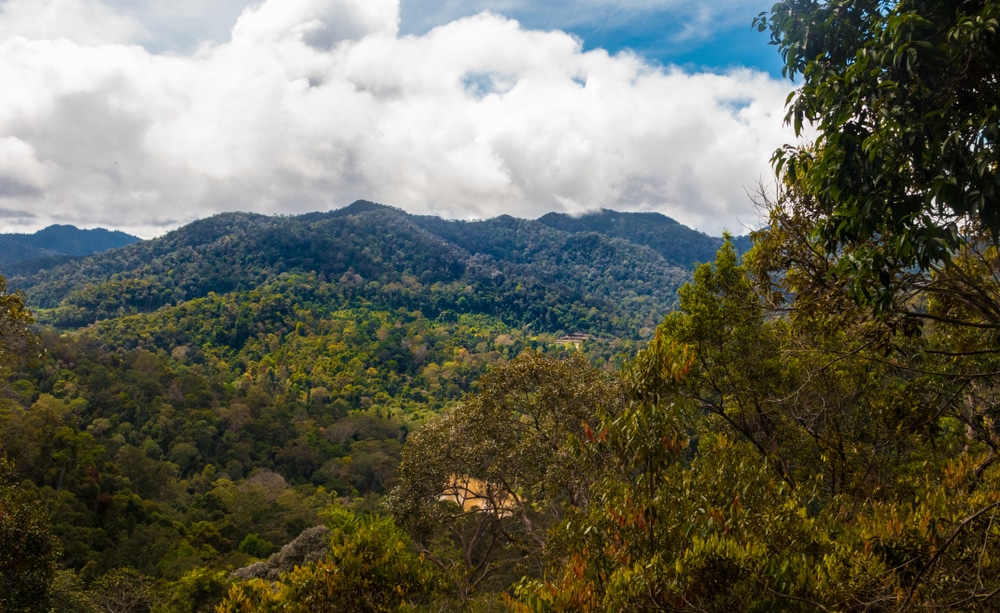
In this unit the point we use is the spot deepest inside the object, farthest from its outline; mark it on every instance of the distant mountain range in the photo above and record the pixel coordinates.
(604, 273)
(20, 253)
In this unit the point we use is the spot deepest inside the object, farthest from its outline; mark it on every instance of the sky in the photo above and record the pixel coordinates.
(144, 115)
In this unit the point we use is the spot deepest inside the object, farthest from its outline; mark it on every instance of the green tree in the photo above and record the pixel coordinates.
(480, 486)
(29, 552)
(371, 568)
(197, 591)
(783, 463)
(123, 590)
(14, 320)
(903, 94)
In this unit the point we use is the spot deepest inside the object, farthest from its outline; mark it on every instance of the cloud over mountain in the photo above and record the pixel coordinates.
(311, 104)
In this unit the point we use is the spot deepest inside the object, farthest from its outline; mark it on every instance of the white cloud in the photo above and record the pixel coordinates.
(20, 169)
(319, 24)
(86, 22)
(315, 103)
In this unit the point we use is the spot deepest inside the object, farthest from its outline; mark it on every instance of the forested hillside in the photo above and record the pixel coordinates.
(193, 402)
(367, 411)
(677, 243)
(521, 272)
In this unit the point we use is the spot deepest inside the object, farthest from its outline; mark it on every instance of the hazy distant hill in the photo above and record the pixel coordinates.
(22, 253)
(525, 272)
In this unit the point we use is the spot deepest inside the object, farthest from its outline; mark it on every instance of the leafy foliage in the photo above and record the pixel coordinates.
(29, 553)
(813, 428)
(370, 569)
(904, 97)
(173, 443)
(480, 485)
(808, 471)
(14, 322)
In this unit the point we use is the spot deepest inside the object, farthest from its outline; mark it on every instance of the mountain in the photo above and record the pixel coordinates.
(223, 383)
(524, 272)
(24, 253)
(678, 244)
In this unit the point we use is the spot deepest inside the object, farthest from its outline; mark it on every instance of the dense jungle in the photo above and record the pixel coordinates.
(365, 410)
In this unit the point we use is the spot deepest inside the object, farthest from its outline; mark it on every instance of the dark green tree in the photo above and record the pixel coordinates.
(28, 550)
(480, 486)
(767, 462)
(904, 95)
(371, 567)
(14, 320)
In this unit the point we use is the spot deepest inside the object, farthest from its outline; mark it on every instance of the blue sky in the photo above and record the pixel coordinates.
(694, 35)
(142, 115)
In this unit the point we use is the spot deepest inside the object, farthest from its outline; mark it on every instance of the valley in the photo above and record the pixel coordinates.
(192, 402)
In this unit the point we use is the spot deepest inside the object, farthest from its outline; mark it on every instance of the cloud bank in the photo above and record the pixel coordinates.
(312, 104)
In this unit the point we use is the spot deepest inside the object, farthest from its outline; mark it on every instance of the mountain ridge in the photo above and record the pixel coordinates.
(606, 273)
(54, 245)
(523, 271)
(677, 243)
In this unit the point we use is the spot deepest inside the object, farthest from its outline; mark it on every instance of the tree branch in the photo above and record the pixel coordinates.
(937, 554)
